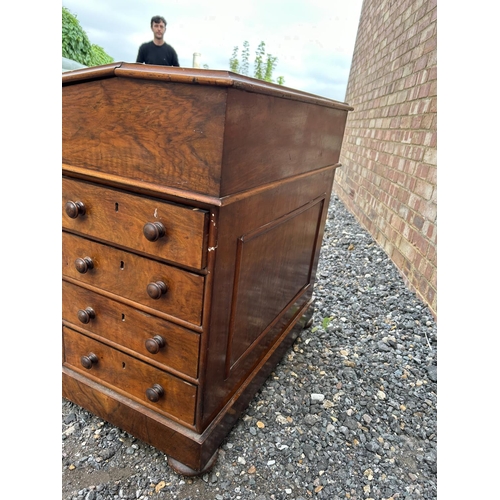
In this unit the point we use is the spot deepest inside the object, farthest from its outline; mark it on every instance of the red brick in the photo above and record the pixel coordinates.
(417, 262)
(397, 258)
(430, 45)
(417, 137)
(428, 32)
(433, 107)
(410, 81)
(427, 270)
(432, 175)
(430, 232)
(429, 138)
(421, 243)
(427, 122)
(416, 121)
(411, 182)
(431, 5)
(421, 63)
(433, 88)
(404, 195)
(431, 297)
(417, 153)
(422, 171)
(418, 221)
(424, 90)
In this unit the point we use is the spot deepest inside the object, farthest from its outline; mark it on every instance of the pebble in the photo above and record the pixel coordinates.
(352, 414)
(317, 398)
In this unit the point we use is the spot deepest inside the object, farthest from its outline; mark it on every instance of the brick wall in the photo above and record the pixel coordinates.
(388, 177)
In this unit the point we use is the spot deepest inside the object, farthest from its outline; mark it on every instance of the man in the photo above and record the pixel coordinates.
(158, 51)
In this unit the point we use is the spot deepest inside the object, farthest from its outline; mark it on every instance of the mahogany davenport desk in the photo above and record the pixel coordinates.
(193, 209)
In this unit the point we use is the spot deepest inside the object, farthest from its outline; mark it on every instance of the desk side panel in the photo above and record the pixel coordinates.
(265, 268)
(268, 139)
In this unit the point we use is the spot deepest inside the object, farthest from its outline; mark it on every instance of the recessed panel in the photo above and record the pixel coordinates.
(274, 265)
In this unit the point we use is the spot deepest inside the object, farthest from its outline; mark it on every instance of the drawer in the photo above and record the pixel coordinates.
(173, 291)
(165, 230)
(148, 336)
(138, 380)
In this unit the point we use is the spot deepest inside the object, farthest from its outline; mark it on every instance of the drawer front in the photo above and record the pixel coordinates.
(146, 384)
(175, 292)
(146, 335)
(176, 233)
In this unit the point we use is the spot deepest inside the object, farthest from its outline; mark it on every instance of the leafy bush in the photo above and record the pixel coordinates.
(77, 46)
(99, 56)
(264, 64)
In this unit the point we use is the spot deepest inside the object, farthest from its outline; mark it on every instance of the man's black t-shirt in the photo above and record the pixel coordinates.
(150, 53)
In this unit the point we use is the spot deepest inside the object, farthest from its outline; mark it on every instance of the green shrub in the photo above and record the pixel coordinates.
(99, 56)
(76, 44)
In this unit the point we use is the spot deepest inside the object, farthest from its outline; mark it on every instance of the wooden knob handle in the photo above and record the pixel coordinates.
(89, 360)
(85, 315)
(154, 344)
(153, 231)
(155, 393)
(74, 209)
(156, 289)
(83, 265)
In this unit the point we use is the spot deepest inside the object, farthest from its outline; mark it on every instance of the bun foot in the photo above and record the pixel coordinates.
(184, 470)
(309, 323)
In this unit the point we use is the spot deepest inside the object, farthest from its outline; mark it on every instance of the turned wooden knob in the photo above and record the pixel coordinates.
(155, 393)
(153, 230)
(89, 360)
(85, 315)
(154, 344)
(156, 289)
(83, 265)
(74, 209)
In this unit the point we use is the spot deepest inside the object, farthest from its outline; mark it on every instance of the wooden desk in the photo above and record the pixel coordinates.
(193, 208)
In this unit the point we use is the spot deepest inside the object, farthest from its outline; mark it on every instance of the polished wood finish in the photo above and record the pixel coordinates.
(176, 398)
(132, 330)
(164, 288)
(167, 231)
(193, 209)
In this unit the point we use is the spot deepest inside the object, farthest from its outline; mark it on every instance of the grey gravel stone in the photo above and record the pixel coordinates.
(371, 351)
(432, 372)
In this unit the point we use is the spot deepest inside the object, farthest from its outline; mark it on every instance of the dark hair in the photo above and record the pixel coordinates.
(158, 19)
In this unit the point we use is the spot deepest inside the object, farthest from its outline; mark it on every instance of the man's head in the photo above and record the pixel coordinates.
(157, 20)
(158, 27)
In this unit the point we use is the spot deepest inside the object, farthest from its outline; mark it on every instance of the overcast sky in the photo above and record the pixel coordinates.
(312, 39)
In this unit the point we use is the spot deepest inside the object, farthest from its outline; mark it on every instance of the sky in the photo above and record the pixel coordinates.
(312, 39)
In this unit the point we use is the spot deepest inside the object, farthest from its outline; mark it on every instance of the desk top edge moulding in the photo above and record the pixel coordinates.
(193, 208)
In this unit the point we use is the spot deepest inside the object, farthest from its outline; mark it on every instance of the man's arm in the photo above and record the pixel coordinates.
(175, 59)
(140, 55)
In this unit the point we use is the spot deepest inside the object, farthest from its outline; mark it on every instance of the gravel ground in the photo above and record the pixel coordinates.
(350, 412)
